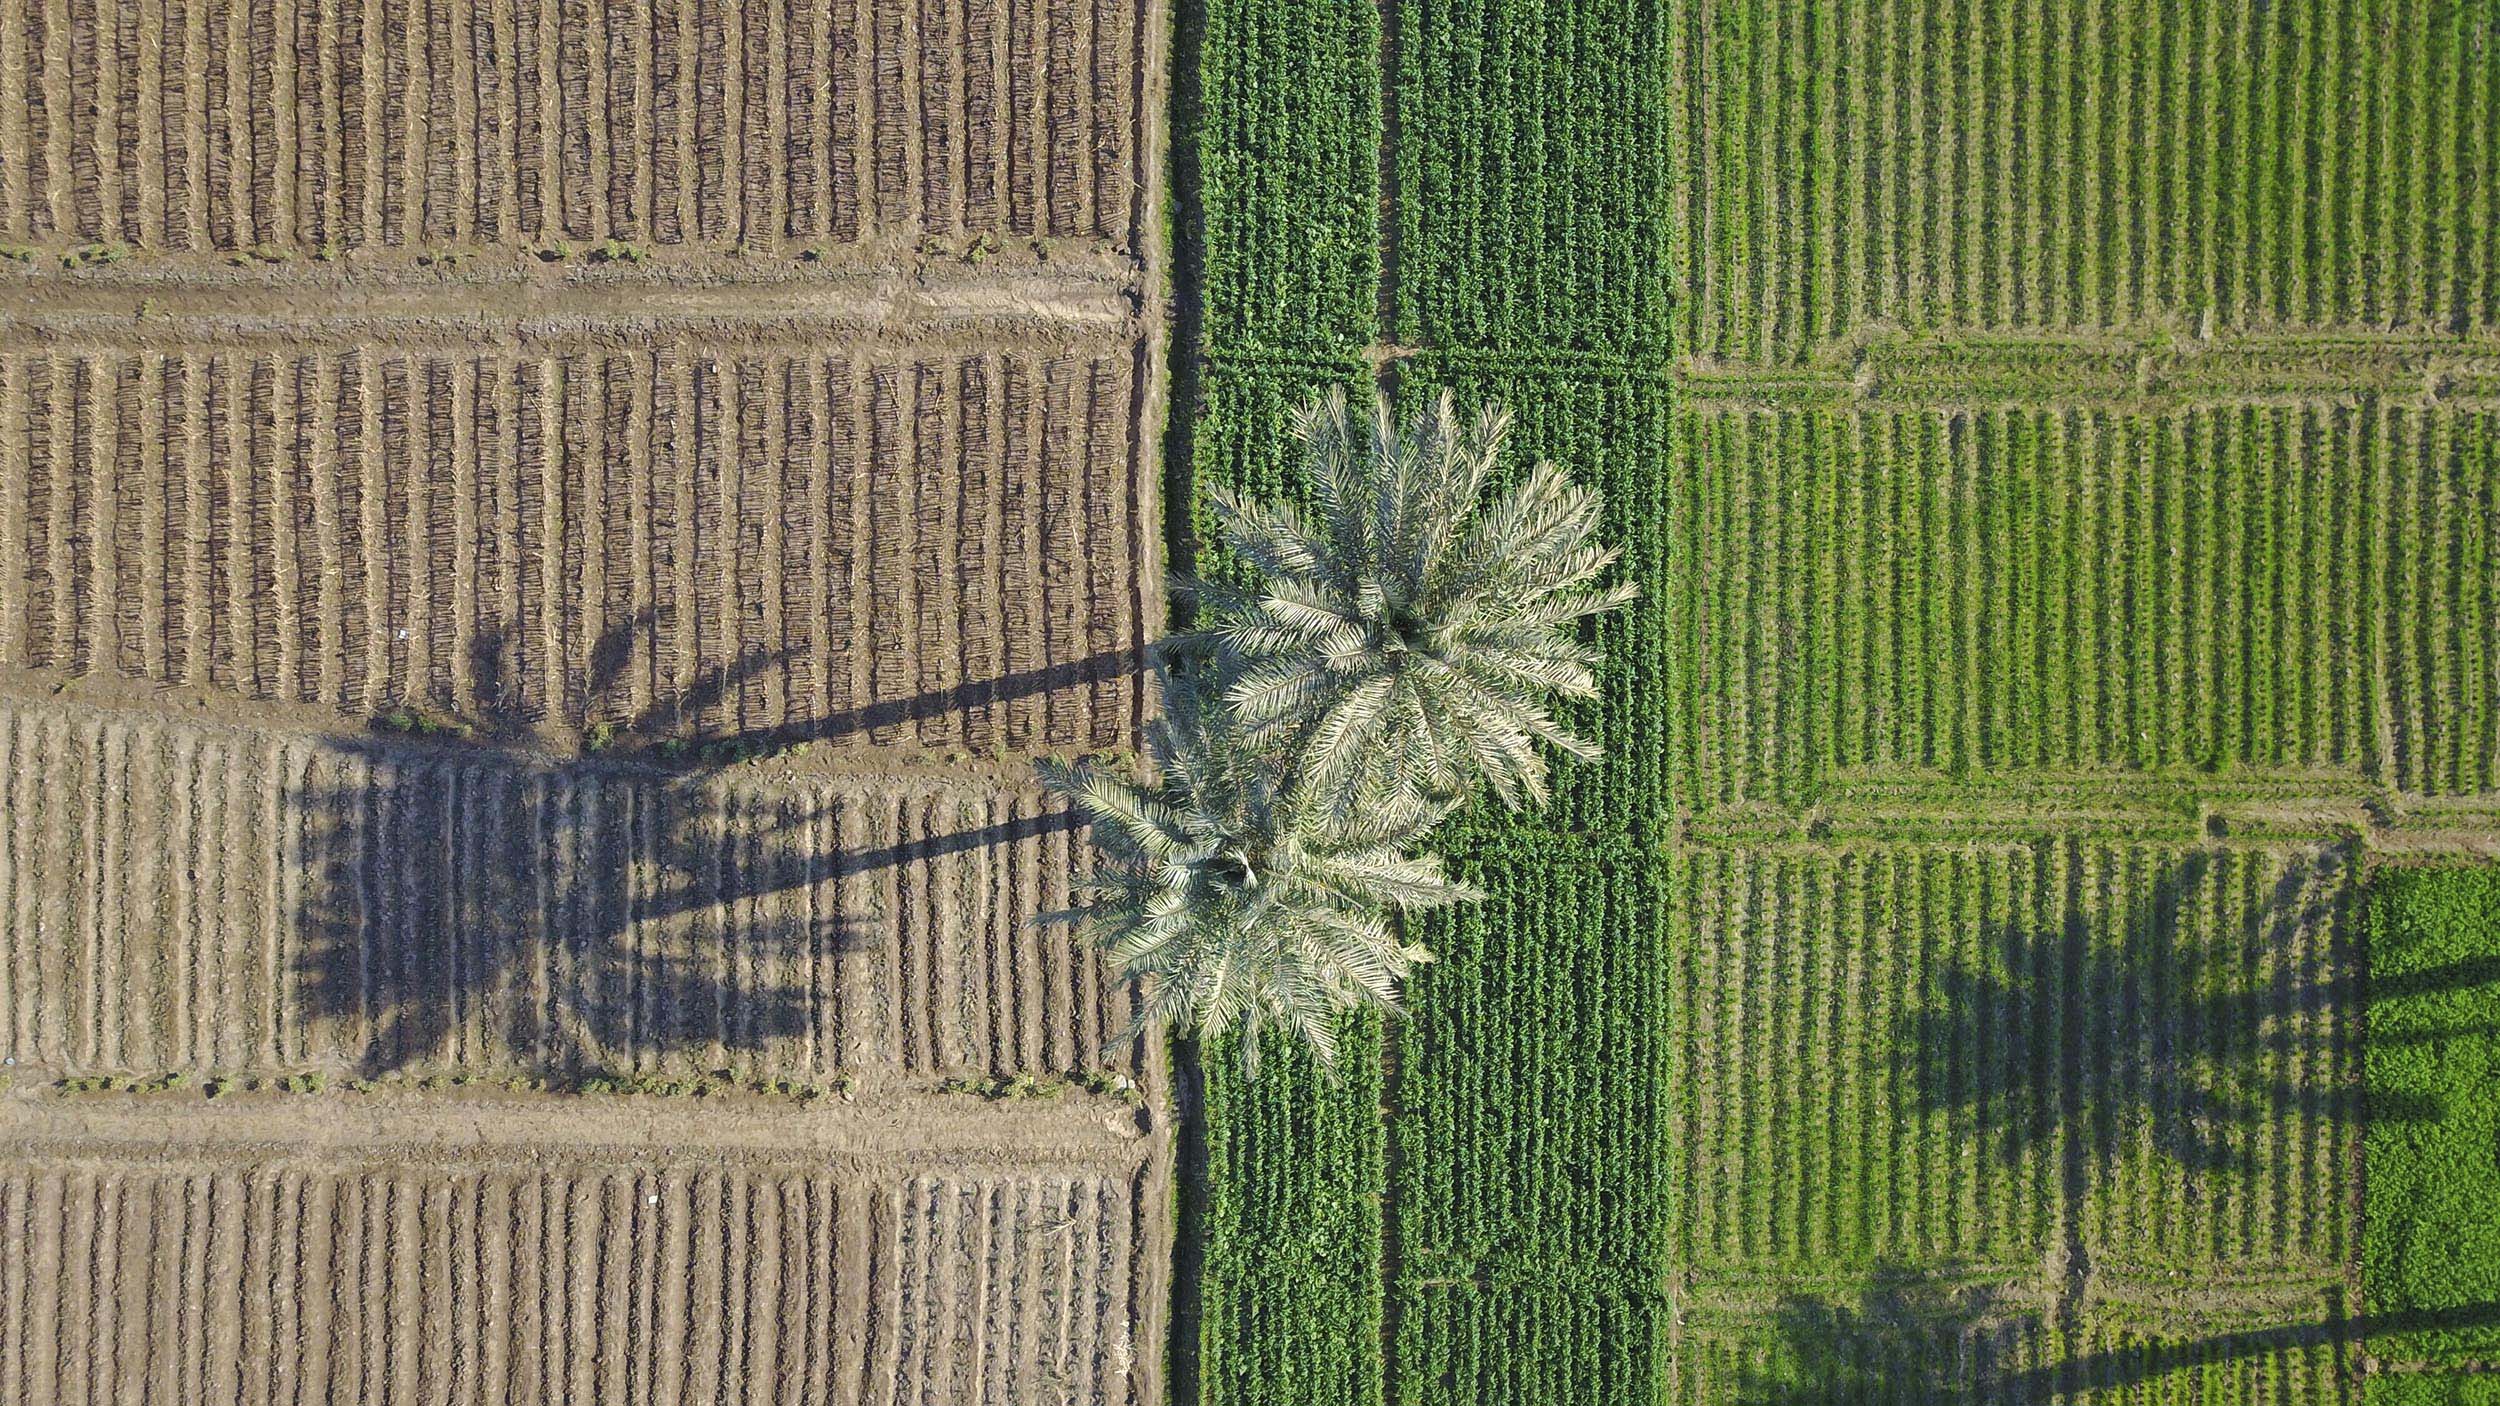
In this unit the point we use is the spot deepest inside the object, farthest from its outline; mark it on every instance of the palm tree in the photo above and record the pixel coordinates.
(1238, 903)
(1406, 641)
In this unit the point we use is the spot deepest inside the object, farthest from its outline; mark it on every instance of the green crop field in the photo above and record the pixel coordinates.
(2431, 1260)
(2059, 445)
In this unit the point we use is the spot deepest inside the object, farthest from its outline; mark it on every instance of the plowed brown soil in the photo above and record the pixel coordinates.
(211, 898)
(538, 544)
(881, 545)
(297, 1250)
(220, 124)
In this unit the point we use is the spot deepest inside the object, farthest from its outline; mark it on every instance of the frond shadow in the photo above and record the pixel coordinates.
(2177, 1015)
(1908, 1337)
(495, 902)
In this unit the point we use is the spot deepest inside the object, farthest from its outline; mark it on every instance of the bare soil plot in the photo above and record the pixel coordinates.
(210, 124)
(843, 543)
(377, 1268)
(196, 897)
(606, 391)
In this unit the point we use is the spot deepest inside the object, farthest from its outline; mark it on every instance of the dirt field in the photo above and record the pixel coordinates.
(403, 1256)
(211, 124)
(538, 544)
(837, 542)
(215, 898)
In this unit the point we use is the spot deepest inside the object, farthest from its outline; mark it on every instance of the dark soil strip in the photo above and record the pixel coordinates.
(1392, 1208)
(1185, 220)
(1393, 1038)
(1389, 123)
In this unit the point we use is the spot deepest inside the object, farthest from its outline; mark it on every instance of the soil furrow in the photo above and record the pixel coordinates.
(365, 906)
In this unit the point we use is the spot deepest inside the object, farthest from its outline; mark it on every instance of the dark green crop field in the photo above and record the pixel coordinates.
(2032, 936)
(2431, 1258)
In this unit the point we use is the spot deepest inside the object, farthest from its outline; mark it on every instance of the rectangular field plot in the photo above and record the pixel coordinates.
(2129, 1055)
(1907, 1339)
(930, 550)
(2263, 587)
(1289, 1296)
(198, 898)
(1984, 164)
(209, 124)
(167, 1276)
(1530, 1345)
(1561, 970)
(2430, 1246)
(1537, 151)
(1288, 155)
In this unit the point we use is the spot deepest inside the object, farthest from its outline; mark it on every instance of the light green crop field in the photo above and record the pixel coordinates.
(2059, 445)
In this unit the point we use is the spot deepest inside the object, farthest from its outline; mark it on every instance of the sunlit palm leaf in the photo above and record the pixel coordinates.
(1236, 905)
(1410, 636)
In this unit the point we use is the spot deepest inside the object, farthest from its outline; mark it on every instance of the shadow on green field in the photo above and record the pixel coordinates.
(1913, 1340)
(1907, 1339)
(2211, 1016)
(2216, 1003)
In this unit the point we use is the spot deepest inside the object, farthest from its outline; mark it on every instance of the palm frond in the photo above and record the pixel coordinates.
(1412, 558)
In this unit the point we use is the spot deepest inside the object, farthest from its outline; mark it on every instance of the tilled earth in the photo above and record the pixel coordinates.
(538, 544)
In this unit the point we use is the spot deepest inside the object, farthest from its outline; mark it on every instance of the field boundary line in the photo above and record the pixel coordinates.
(2112, 1297)
(544, 746)
(2149, 371)
(2400, 838)
(899, 314)
(905, 1130)
(2287, 806)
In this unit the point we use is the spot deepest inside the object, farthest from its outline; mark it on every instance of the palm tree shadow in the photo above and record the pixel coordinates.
(2186, 1017)
(1907, 1337)
(555, 918)
(493, 902)
(2149, 1020)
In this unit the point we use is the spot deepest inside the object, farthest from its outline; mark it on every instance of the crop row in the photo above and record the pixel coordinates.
(2431, 1212)
(1994, 163)
(1975, 1055)
(1290, 1291)
(1561, 970)
(1906, 1344)
(1535, 161)
(218, 125)
(1529, 1345)
(1244, 432)
(1279, 148)
(153, 1283)
(2247, 587)
(935, 551)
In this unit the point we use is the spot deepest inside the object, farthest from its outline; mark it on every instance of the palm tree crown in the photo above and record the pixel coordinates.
(1403, 640)
(1239, 904)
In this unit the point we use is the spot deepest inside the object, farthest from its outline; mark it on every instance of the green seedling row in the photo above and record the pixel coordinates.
(2237, 588)
(1286, 143)
(1535, 164)
(2204, 165)
(1290, 1291)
